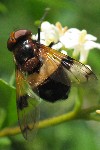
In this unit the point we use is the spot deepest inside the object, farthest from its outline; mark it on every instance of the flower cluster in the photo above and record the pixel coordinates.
(63, 38)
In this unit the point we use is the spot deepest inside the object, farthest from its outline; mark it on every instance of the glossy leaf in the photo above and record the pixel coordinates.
(7, 102)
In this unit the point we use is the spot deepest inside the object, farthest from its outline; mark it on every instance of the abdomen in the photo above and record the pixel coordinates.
(55, 87)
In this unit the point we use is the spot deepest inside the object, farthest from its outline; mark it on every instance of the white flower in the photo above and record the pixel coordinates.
(73, 38)
(51, 33)
(70, 38)
(48, 34)
(80, 41)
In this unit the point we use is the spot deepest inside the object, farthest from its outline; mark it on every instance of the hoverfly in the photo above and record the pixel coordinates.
(41, 73)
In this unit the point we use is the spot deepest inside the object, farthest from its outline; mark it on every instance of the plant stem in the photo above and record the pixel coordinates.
(42, 124)
(75, 114)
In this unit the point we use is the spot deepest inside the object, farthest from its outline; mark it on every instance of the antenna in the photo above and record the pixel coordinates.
(41, 20)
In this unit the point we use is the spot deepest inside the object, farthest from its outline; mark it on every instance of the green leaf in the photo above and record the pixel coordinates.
(7, 102)
(3, 8)
(5, 143)
(3, 114)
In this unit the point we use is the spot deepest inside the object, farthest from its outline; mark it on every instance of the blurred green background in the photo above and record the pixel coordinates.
(16, 14)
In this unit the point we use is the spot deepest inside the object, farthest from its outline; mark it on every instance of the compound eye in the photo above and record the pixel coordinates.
(15, 37)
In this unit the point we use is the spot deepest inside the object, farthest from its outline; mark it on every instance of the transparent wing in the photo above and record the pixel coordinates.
(76, 71)
(27, 106)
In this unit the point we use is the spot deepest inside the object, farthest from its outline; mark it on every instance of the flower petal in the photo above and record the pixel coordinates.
(90, 37)
(90, 45)
(71, 38)
(57, 46)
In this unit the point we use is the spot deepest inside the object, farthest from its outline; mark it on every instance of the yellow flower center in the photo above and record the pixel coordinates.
(82, 37)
